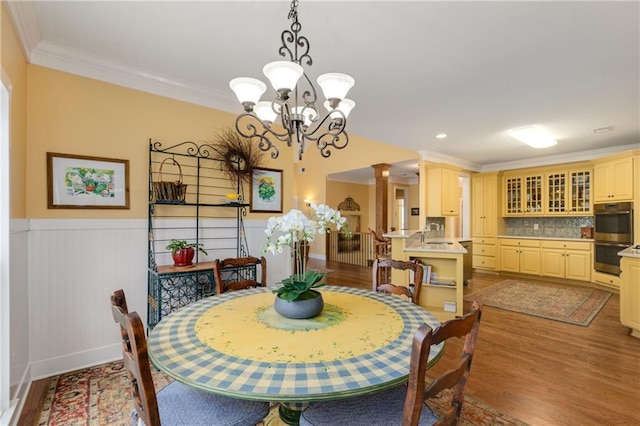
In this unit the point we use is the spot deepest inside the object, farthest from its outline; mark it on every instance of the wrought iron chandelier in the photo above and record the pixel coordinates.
(294, 105)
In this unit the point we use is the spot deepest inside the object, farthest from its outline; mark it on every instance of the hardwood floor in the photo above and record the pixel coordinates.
(540, 371)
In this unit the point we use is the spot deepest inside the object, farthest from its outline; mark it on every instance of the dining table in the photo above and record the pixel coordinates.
(235, 344)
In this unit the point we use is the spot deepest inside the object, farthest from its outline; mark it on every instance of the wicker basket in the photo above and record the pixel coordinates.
(169, 192)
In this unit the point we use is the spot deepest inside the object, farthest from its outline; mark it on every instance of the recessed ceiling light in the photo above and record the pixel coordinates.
(534, 136)
(441, 135)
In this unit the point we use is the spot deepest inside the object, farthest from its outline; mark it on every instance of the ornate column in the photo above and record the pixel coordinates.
(382, 195)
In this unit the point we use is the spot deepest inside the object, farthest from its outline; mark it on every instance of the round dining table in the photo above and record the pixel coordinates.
(236, 344)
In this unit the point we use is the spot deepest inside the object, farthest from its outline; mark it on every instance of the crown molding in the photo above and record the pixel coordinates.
(84, 64)
(558, 159)
(23, 17)
(437, 157)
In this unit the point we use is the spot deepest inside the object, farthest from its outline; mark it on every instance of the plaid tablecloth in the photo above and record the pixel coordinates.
(235, 344)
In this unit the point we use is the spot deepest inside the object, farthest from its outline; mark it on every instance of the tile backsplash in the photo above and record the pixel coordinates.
(548, 227)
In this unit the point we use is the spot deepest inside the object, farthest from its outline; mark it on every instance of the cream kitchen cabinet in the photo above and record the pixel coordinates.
(484, 205)
(484, 253)
(613, 179)
(566, 259)
(484, 219)
(520, 255)
(568, 192)
(443, 191)
(523, 194)
(630, 294)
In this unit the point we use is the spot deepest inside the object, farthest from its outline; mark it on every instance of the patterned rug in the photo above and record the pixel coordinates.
(100, 395)
(570, 304)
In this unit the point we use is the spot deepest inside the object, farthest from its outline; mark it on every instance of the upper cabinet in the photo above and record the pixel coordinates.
(443, 191)
(548, 191)
(568, 192)
(523, 194)
(613, 179)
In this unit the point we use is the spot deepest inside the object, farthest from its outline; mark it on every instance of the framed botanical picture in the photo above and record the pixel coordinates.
(81, 182)
(266, 190)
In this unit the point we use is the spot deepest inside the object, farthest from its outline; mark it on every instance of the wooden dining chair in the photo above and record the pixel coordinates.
(405, 404)
(381, 245)
(239, 273)
(381, 278)
(175, 403)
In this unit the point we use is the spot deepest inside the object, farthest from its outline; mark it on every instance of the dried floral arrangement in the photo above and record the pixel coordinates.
(237, 155)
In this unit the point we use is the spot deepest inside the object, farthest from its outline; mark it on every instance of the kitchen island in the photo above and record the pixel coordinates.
(443, 295)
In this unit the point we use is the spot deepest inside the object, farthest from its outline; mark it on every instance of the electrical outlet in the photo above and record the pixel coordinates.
(535, 226)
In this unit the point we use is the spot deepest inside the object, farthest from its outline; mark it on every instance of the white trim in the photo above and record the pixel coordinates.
(75, 361)
(558, 159)
(25, 21)
(436, 157)
(84, 64)
(5, 281)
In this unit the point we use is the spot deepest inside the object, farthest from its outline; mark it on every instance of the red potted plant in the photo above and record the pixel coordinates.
(183, 252)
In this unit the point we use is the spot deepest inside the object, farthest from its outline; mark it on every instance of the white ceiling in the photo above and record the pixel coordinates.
(472, 70)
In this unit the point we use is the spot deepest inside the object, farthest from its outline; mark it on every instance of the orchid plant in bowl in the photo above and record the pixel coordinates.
(296, 230)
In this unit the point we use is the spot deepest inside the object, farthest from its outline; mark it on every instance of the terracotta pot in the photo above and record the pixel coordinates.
(183, 257)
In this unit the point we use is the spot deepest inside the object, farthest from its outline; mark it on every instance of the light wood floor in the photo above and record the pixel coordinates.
(540, 371)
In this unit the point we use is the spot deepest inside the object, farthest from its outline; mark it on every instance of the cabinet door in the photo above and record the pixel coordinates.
(533, 194)
(509, 259)
(490, 206)
(579, 192)
(513, 195)
(556, 193)
(530, 260)
(553, 262)
(622, 179)
(630, 294)
(602, 181)
(477, 207)
(450, 193)
(578, 265)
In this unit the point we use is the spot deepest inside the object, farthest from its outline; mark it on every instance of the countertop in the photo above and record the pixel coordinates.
(587, 240)
(631, 252)
(431, 245)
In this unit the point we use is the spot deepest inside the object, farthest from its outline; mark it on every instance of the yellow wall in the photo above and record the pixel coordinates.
(76, 115)
(14, 66)
(338, 191)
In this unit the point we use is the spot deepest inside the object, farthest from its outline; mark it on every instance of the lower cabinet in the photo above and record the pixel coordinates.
(484, 253)
(571, 260)
(520, 255)
(630, 294)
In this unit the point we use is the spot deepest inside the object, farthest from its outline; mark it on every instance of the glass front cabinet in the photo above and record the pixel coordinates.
(568, 192)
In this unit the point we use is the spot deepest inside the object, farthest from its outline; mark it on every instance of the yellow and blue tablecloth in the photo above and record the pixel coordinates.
(235, 344)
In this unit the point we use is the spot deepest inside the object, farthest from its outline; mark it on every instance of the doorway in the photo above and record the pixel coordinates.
(400, 218)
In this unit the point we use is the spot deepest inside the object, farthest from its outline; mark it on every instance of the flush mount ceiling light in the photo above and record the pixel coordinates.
(441, 135)
(534, 136)
(294, 104)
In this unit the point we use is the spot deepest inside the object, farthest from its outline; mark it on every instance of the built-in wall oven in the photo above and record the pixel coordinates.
(613, 231)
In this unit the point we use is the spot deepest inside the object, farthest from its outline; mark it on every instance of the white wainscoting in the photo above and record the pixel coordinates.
(74, 265)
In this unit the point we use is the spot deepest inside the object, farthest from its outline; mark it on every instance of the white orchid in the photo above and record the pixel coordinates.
(295, 227)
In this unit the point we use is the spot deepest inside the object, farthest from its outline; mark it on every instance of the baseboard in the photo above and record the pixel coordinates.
(12, 415)
(75, 361)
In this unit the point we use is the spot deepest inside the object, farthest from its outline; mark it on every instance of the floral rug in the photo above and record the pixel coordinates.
(100, 395)
(566, 303)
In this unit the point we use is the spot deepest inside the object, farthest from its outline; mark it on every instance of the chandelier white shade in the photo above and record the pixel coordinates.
(293, 107)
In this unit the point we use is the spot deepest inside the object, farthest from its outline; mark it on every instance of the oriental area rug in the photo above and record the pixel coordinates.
(100, 395)
(565, 303)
